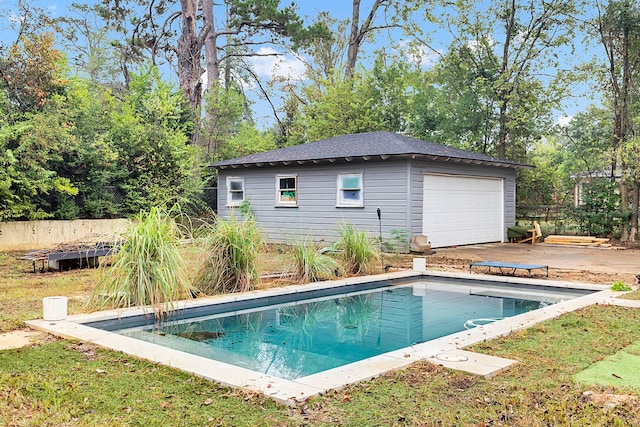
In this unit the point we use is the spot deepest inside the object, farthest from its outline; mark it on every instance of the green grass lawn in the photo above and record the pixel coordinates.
(64, 383)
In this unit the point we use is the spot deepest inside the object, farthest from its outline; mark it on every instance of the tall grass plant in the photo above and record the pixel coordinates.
(230, 254)
(359, 250)
(307, 263)
(148, 269)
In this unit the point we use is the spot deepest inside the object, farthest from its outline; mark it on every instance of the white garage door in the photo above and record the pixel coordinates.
(462, 210)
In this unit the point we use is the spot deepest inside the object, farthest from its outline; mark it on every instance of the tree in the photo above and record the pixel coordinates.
(33, 152)
(456, 102)
(36, 140)
(517, 39)
(336, 108)
(397, 15)
(359, 32)
(380, 99)
(223, 30)
(616, 27)
(91, 46)
(32, 72)
(149, 133)
(247, 140)
(224, 109)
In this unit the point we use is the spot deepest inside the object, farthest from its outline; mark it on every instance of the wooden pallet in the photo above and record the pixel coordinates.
(577, 241)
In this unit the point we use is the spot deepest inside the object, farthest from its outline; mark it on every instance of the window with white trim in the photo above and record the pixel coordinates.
(350, 190)
(235, 190)
(287, 190)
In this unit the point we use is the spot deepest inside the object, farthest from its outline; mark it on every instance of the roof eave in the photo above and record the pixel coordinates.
(366, 158)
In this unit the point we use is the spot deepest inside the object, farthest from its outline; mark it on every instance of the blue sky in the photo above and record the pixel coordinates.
(288, 64)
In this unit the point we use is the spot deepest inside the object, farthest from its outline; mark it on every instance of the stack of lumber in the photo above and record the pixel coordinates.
(577, 241)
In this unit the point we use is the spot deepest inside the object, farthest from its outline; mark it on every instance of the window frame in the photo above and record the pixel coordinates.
(230, 202)
(279, 191)
(341, 202)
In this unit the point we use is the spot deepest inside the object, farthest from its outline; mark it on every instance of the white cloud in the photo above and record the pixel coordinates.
(274, 64)
(563, 120)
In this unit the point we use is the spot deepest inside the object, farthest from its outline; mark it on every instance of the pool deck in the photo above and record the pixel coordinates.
(447, 351)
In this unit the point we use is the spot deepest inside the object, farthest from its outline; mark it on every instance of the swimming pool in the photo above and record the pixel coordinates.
(325, 335)
(305, 335)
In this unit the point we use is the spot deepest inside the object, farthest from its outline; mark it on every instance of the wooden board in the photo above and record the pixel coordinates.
(577, 240)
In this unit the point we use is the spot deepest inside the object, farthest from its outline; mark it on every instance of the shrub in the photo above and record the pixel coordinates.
(620, 286)
(359, 251)
(148, 269)
(309, 264)
(230, 256)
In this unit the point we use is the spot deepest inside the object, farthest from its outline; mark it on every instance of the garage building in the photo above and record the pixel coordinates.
(452, 196)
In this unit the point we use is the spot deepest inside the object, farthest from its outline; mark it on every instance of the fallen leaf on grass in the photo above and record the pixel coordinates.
(165, 405)
(207, 402)
(346, 398)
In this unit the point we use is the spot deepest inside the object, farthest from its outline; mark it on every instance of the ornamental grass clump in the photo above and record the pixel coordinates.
(148, 269)
(359, 251)
(230, 252)
(308, 264)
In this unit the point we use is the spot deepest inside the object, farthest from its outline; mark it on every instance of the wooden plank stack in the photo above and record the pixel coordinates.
(578, 241)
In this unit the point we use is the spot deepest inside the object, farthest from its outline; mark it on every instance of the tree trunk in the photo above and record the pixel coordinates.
(210, 44)
(502, 132)
(352, 52)
(503, 92)
(357, 34)
(635, 205)
(624, 206)
(189, 48)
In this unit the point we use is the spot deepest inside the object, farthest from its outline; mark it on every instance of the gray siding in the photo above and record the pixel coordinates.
(393, 186)
(420, 168)
(385, 186)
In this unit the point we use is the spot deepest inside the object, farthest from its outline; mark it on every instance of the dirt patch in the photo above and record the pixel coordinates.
(22, 338)
(448, 263)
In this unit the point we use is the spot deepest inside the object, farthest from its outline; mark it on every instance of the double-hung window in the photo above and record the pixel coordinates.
(350, 190)
(287, 190)
(235, 190)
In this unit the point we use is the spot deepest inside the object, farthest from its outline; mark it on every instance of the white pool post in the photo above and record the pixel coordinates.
(54, 308)
(420, 264)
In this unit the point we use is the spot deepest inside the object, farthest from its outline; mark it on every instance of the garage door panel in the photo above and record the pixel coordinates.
(462, 210)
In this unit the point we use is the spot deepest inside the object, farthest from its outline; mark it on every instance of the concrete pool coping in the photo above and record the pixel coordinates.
(447, 351)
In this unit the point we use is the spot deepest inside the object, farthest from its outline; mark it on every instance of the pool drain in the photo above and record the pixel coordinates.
(452, 357)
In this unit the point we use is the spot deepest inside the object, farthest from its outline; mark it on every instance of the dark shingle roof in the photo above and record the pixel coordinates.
(371, 145)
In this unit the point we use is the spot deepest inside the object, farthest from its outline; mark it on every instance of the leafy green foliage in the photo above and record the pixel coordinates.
(247, 140)
(33, 152)
(600, 215)
(376, 100)
(399, 240)
(261, 16)
(308, 263)
(359, 251)
(148, 268)
(620, 286)
(148, 157)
